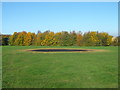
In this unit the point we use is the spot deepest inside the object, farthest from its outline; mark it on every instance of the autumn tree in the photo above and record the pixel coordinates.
(50, 40)
(20, 39)
(105, 39)
(58, 38)
(79, 39)
(33, 35)
(114, 41)
(39, 39)
(90, 39)
(28, 39)
(63, 38)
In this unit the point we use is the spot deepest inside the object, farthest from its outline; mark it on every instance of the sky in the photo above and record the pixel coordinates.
(60, 0)
(60, 16)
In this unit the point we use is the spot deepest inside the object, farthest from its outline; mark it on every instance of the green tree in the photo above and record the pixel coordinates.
(65, 39)
(5, 39)
(13, 38)
(73, 38)
(79, 39)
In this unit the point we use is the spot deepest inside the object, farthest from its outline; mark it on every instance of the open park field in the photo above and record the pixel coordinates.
(59, 70)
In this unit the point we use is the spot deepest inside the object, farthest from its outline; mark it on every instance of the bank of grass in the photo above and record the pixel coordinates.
(59, 70)
(0, 67)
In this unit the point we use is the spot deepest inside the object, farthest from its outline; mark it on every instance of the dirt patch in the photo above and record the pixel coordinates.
(62, 50)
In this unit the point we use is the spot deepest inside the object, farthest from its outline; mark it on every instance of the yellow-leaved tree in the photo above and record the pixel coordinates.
(28, 39)
(20, 39)
(50, 40)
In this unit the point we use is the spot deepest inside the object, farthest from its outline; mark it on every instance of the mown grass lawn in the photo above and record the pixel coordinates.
(59, 70)
(0, 67)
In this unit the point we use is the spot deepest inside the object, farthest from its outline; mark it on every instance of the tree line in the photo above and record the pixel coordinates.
(63, 38)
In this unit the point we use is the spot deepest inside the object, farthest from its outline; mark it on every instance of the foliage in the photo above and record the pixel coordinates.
(115, 41)
(20, 39)
(29, 39)
(13, 38)
(105, 39)
(49, 40)
(63, 38)
(118, 40)
(90, 39)
(73, 38)
(4, 39)
(79, 39)
(58, 38)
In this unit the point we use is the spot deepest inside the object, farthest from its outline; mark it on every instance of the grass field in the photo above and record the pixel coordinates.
(0, 67)
(59, 70)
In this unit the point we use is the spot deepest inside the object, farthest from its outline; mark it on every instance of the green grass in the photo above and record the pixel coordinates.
(59, 70)
(0, 67)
